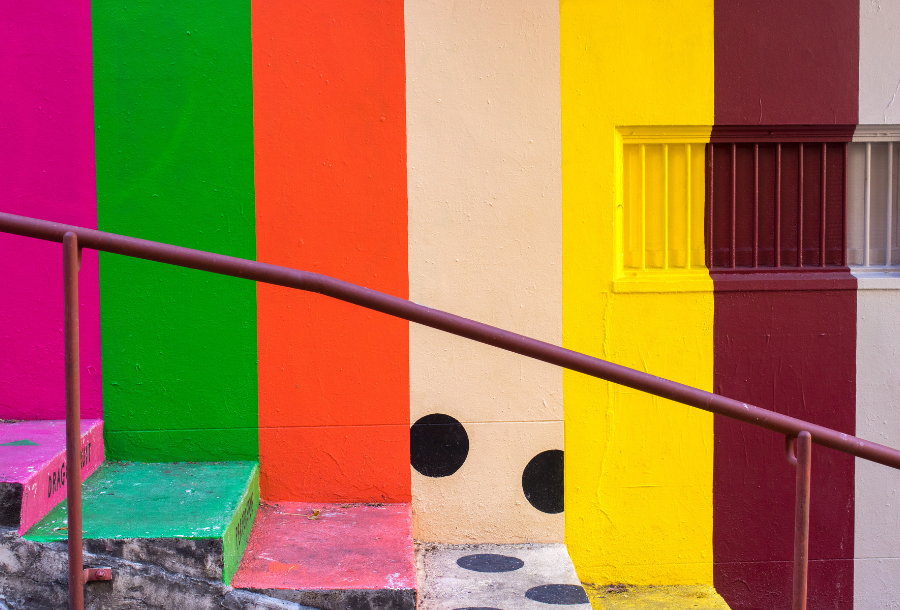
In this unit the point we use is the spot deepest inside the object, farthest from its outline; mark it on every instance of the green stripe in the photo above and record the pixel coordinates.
(174, 144)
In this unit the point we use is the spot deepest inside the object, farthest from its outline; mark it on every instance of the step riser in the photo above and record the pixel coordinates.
(33, 467)
(236, 537)
(358, 599)
(190, 558)
(48, 487)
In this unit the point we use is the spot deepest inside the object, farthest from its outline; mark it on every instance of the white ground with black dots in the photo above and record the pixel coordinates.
(445, 585)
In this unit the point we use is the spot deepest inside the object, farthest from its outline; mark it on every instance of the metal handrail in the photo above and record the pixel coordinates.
(76, 238)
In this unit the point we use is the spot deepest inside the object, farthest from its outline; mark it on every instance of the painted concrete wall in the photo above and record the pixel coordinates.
(483, 122)
(783, 341)
(787, 62)
(876, 545)
(638, 469)
(474, 157)
(174, 130)
(879, 62)
(791, 351)
(46, 171)
(330, 154)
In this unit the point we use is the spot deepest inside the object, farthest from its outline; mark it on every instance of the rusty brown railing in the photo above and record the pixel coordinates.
(75, 238)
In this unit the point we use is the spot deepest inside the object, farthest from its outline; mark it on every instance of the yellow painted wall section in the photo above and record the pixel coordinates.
(638, 469)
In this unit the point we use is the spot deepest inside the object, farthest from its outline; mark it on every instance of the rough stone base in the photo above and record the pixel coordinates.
(10, 504)
(34, 576)
(348, 599)
(199, 558)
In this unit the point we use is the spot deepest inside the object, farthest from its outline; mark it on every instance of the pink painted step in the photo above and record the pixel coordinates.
(332, 555)
(33, 466)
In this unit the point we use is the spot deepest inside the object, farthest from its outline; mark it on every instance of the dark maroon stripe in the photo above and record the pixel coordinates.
(793, 351)
(786, 62)
(826, 584)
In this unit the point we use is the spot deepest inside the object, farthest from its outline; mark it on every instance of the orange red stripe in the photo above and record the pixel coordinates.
(330, 152)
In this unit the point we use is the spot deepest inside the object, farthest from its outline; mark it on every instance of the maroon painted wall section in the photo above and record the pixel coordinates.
(786, 62)
(793, 352)
(784, 339)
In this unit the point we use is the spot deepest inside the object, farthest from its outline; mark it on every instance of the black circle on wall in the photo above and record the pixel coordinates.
(490, 562)
(558, 594)
(438, 445)
(542, 481)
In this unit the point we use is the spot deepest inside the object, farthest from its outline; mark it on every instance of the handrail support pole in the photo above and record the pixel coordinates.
(802, 462)
(71, 263)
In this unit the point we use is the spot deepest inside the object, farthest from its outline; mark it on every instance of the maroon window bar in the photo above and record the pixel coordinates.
(75, 238)
(763, 184)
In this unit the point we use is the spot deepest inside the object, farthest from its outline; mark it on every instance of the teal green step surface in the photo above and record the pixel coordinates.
(199, 512)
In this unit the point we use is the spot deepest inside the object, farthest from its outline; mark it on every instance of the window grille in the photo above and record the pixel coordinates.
(873, 214)
(775, 203)
(662, 204)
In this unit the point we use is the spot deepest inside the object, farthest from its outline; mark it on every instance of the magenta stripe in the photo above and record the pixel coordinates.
(47, 171)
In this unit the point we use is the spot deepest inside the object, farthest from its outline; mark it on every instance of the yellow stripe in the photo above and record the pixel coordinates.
(638, 469)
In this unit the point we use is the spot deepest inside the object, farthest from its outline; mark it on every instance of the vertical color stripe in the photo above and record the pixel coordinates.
(786, 62)
(793, 352)
(485, 242)
(638, 469)
(175, 164)
(876, 571)
(329, 111)
(46, 171)
(784, 342)
(873, 178)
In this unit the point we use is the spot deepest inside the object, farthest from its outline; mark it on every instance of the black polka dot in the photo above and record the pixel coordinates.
(558, 594)
(489, 562)
(542, 481)
(438, 445)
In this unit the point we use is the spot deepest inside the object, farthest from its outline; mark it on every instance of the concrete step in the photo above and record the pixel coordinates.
(655, 597)
(33, 467)
(497, 576)
(332, 556)
(191, 519)
(535, 577)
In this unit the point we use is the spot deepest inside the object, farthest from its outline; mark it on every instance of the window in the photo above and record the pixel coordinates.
(776, 199)
(751, 200)
(663, 199)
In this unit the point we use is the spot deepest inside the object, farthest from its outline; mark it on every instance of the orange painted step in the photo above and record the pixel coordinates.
(332, 555)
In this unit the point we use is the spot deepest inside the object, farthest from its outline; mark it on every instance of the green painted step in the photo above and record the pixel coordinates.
(191, 516)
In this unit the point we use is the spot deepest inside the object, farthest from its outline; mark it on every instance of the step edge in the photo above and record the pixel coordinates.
(33, 507)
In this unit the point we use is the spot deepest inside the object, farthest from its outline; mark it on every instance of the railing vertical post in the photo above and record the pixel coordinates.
(801, 520)
(71, 263)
